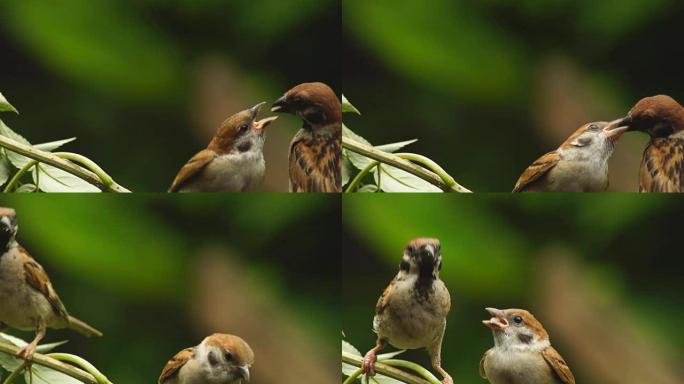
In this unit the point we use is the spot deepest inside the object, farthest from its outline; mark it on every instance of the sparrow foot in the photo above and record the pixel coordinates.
(26, 353)
(448, 380)
(368, 362)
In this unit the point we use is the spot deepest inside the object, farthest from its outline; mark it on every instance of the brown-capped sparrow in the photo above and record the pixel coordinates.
(316, 150)
(27, 299)
(580, 164)
(662, 164)
(412, 311)
(234, 159)
(218, 359)
(522, 352)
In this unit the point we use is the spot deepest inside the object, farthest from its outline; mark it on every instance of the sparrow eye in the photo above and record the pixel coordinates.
(228, 356)
(593, 127)
(518, 320)
(243, 128)
(212, 358)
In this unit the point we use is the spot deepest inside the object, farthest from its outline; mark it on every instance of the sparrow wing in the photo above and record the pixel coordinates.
(662, 166)
(176, 363)
(560, 367)
(37, 278)
(315, 165)
(383, 301)
(538, 169)
(192, 168)
(483, 374)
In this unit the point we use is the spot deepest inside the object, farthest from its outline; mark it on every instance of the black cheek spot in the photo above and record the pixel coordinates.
(404, 266)
(525, 339)
(316, 117)
(212, 358)
(245, 147)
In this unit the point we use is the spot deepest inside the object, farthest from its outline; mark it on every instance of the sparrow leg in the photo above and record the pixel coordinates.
(371, 357)
(435, 352)
(27, 352)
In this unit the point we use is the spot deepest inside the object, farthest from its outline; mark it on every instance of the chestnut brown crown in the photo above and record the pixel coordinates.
(239, 125)
(659, 116)
(240, 351)
(316, 103)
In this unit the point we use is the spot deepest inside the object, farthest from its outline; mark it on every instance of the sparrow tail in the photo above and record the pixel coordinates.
(83, 328)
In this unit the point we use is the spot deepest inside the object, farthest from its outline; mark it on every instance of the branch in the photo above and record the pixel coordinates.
(96, 177)
(51, 363)
(386, 370)
(435, 176)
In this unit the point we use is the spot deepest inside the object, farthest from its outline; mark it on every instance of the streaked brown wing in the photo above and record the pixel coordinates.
(171, 368)
(482, 361)
(538, 169)
(192, 168)
(315, 165)
(662, 166)
(37, 278)
(383, 301)
(560, 367)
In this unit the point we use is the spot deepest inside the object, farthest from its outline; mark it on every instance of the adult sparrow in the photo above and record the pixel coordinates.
(234, 159)
(522, 352)
(662, 164)
(218, 359)
(316, 150)
(27, 299)
(412, 311)
(580, 164)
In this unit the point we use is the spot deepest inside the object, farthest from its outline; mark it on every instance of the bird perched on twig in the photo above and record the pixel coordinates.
(580, 164)
(27, 299)
(412, 311)
(662, 164)
(218, 359)
(316, 150)
(234, 159)
(522, 352)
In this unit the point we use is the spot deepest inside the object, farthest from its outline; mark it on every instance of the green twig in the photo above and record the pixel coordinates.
(351, 187)
(353, 376)
(17, 176)
(13, 375)
(82, 363)
(386, 370)
(427, 375)
(52, 363)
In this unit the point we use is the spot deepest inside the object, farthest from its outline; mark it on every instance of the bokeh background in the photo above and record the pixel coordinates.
(602, 273)
(157, 273)
(489, 86)
(143, 85)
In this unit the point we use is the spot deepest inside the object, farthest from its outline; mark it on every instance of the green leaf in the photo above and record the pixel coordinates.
(45, 375)
(395, 180)
(5, 106)
(5, 167)
(51, 179)
(359, 161)
(16, 159)
(52, 145)
(348, 107)
(393, 147)
(13, 340)
(44, 348)
(346, 169)
(367, 188)
(26, 188)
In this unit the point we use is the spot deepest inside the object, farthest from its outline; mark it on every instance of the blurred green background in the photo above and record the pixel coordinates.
(489, 86)
(143, 85)
(602, 273)
(157, 273)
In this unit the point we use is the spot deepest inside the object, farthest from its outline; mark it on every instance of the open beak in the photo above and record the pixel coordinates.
(243, 370)
(254, 111)
(259, 125)
(617, 128)
(498, 320)
(280, 105)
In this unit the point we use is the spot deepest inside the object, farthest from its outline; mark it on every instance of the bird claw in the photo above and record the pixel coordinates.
(448, 380)
(26, 353)
(368, 362)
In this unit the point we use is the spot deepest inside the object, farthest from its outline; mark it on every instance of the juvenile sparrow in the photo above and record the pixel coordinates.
(662, 164)
(27, 299)
(522, 352)
(580, 164)
(219, 359)
(316, 150)
(234, 159)
(412, 311)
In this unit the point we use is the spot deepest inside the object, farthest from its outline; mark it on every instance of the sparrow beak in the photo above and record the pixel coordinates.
(498, 321)
(616, 128)
(254, 111)
(243, 371)
(259, 125)
(280, 105)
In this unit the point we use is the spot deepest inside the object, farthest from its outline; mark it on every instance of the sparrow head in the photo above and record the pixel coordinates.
(242, 132)
(516, 328)
(227, 358)
(594, 141)
(423, 257)
(659, 116)
(8, 226)
(315, 103)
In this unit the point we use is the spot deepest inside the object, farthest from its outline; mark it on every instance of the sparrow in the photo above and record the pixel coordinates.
(580, 164)
(412, 311)
(522, 352)
(316, 151)
(218, 359)
(662, 164)
(27, 299)
(234, 159)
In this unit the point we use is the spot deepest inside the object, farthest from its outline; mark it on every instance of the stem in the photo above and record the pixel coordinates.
(353, 376)
(435, 176)
(17, 176)
(351, 187)
(414, 367)
(75, 157)
(385, 369)
(51, 363)
(14, 375)
(86, 366)
(65, 165)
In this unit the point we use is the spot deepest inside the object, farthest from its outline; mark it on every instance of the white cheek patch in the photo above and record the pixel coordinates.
(5, 220)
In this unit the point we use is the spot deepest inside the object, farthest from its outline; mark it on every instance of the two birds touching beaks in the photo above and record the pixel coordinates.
(234, 160)
(580, 164)
(412, 312)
